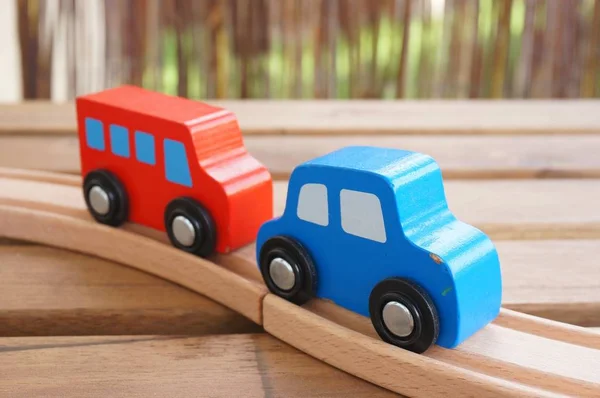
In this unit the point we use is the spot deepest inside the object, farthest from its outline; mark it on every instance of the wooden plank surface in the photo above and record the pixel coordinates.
(48, 291)
(530, 376)
(358, 117)
(535, 281)
(458, 156)
(41, 136)
(546, 232)
(554, 279)
(504, 209)
(249, 365)
(479, 341)
(553, 156)
(484, 360)
(136, 251)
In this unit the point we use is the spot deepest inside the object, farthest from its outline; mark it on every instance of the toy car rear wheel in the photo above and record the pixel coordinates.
(190, 227)
(105, 197)
(404, 315)
(288, 269)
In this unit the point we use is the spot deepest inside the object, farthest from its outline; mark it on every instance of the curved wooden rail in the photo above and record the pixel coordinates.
(517, 355)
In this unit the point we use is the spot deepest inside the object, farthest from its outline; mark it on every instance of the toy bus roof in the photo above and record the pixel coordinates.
(386, 162)
(151, 103)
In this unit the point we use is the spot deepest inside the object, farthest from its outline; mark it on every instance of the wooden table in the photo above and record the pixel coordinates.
(524, 172)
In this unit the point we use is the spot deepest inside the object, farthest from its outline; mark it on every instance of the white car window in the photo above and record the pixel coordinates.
(362, 215)
(312, 204)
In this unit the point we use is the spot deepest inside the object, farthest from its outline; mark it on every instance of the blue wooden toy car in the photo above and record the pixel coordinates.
(370, 229)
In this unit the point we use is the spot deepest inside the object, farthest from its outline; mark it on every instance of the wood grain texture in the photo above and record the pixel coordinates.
(554, 279)
(533, 269)
(49, 153)
(551, 156)
(502, 209)
(357, 117)
(534, 351)
(481, 363)
(99, 282)
(533, 283)
(169, 366)
(479, 156)
(548, 328)
(137, 251)
(32, 168)
(43, 195)
(440, 372)
(46, 291)
(565, 146)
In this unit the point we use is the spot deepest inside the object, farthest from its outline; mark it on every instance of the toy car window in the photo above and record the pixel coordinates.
(119, 140)
(94, 133)
(362, 215)
(144, 148)
(312, 204)
(177, 168)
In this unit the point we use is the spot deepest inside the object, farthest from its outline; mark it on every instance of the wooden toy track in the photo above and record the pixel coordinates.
(518, 355)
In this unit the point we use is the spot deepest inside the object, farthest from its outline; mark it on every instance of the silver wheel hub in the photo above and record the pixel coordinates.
(398, 319)
(99, 200)
(183, 231)
(282, 273)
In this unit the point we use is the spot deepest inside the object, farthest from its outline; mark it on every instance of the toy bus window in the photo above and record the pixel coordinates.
(119, 140)
(144, 148)
(312, 204)
(177, 169)
(362, 215)
(94, 133)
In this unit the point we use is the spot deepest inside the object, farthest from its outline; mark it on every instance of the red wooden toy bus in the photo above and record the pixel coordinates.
(172, 164)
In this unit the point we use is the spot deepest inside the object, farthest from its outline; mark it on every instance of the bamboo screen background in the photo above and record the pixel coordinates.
(280, 49)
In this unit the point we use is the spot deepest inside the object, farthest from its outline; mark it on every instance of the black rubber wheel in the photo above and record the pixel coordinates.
(118, 202)
(417, 301)
(288, 249)
(205, 230)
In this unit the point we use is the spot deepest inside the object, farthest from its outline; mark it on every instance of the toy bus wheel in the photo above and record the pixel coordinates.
(106, 198)
(190, 227)
(287, 269)
(404, 315)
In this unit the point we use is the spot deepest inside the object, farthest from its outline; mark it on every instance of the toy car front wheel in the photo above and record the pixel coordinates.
(190, 227)
(105, 197)
(404, 315)
(287, 269)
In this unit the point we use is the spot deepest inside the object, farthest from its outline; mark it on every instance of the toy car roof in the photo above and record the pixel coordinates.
(386, 162)
(156, 104)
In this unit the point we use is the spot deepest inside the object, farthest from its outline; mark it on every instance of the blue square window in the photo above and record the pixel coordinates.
(119, 140)
(94, 133)
(177, 169)
(144, 147)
